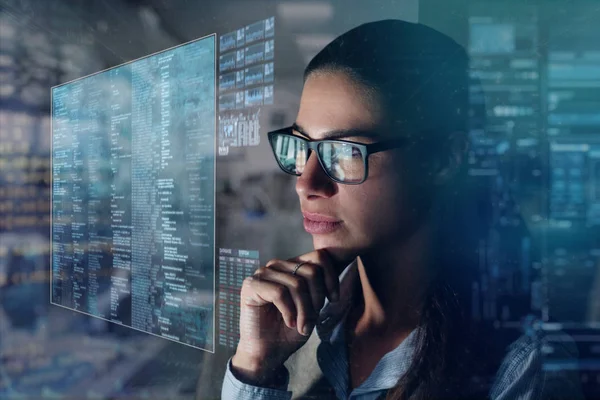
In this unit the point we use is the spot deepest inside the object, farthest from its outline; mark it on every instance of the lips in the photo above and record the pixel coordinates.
(319, 217)
(319, 223)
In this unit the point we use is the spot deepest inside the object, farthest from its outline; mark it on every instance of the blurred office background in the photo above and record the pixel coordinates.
(538, 152)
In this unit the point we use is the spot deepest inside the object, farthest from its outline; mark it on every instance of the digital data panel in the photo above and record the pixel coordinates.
(246, 77)
(538, 143)
(133, 194)
(572, 256)
(234, 266)
(505, 128)
(573, 72)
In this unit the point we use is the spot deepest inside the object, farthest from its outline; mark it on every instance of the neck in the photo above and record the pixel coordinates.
(394, 281)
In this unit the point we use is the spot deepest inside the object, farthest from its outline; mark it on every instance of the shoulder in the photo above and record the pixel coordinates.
(527, 372)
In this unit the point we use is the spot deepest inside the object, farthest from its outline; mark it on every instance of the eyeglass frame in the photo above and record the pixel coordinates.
(365, 149)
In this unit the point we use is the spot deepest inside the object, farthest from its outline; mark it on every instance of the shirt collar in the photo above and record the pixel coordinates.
(333, 313)
(330, 328)
(392, 366)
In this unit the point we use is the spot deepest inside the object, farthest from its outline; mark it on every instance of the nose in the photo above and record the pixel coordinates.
(314, 181)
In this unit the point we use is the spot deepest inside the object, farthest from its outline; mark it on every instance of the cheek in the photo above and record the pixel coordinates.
(377, 206)
(387, 205)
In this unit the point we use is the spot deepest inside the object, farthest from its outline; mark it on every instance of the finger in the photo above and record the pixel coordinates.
(313, 275)
(257, 292)
(323, 259)
(298, 287)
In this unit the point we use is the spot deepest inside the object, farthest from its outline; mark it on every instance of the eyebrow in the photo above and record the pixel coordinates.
(338, 133)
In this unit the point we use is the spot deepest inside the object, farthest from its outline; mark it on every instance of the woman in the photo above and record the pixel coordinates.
(378, 309)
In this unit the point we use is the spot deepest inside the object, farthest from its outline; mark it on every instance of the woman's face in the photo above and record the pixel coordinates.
(382, 210)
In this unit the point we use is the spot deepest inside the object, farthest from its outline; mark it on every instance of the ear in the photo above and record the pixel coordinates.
(452, 157)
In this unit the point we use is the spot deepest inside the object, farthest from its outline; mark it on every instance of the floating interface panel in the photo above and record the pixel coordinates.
(133, 194)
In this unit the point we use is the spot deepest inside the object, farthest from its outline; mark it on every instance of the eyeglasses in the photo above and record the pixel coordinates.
(343, 161)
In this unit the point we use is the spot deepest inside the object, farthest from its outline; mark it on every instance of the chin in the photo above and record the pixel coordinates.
(341, 252)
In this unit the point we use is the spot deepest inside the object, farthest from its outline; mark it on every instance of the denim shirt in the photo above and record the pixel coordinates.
(520, 375)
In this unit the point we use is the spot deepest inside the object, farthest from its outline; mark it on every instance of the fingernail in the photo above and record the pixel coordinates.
(306, 330)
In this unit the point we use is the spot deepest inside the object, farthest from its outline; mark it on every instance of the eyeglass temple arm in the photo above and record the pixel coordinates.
(385, 145)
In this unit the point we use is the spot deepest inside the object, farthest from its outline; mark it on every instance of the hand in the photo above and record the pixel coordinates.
(279, 311)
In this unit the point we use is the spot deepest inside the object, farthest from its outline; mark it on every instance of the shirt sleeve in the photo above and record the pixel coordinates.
(522, 377)
(235, 389)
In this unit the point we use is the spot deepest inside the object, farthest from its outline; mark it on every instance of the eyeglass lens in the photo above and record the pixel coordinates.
(342, 161)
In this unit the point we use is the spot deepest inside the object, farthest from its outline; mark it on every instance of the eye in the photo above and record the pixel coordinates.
(356, 152)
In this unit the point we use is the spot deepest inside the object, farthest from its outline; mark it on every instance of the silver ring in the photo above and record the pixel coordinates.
(298, 266)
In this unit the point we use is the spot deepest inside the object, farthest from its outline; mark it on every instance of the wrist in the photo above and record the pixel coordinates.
(257, 372)
(247, 364)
